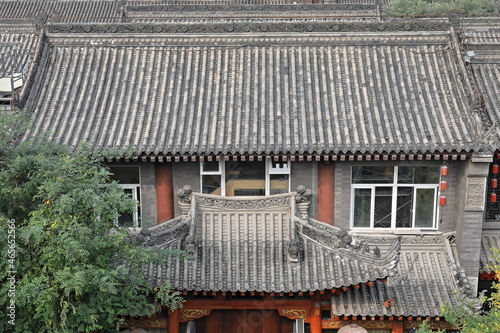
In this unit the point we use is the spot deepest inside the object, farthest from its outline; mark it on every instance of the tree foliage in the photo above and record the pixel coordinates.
(73, 270)
(466, 318)
(439, 7)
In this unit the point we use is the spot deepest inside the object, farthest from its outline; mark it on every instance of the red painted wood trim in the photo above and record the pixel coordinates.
(397, 327)
(487, 276)
(173, 321)
(164, 192)
(326, 192)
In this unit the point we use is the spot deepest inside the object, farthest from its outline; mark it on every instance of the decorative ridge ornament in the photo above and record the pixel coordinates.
(229, 27)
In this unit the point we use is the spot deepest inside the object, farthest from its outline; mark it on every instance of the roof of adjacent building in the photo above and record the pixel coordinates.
(195, 89)
(147, 11)
(428, 277)
(260, 245)
(482, 36)
(16, 11)
(17, 46)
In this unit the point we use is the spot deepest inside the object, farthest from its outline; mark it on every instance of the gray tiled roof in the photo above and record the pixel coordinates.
(257, 245)
(16, 48)
(428, 276)
(260, 93)
(60, 10)
(490, 239)
(482, 36)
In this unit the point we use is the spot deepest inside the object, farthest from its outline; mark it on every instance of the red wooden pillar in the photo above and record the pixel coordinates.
(164, 192)
(315, 321)
(326, 191)
(397, 327)
(173, 321)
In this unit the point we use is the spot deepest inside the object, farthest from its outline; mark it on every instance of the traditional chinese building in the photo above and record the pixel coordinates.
(322, 167)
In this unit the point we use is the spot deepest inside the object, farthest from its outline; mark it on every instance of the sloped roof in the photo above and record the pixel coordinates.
(482, 36)
(210, 11)
(490, 239)
(17, 45)
(60, 10)
(428, 276)
(259, 93)
(258, 244)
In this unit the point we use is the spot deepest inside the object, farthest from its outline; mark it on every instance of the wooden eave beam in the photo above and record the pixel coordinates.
(247, 304)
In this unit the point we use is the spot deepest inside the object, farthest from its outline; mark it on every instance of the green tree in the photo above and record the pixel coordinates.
(439, 7)
(64, 264)
(466, 317)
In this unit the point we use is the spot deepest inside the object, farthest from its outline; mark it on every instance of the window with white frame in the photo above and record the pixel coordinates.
(245, 178)
(394, 196)
(128, 177)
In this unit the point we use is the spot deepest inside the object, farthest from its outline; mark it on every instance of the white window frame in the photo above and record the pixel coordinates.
(269, 171)
(136, 195)
(394, 185)
(136, 188)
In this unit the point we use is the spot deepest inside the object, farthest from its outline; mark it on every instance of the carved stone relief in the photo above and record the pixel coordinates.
(475, 193)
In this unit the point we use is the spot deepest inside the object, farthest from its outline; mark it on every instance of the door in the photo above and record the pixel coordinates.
(244, 321)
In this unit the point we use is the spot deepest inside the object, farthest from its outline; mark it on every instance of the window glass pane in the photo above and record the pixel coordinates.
(372, 174)
(125, 174)
(424, 210)
(278, 183)
(211, 184)
(418, 175)
(383, 207)
(362, 207)
(126, 219)
(404, 207)
(211, 166)
(245, 178)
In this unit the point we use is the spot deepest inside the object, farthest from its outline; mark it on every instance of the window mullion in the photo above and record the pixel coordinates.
(372, 210)
(222, 169)
(267, 183)
(394, 197)
(414, 207)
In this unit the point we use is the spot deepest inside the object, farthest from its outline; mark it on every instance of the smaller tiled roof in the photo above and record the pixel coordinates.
(17, 45)
(260, 245)
(428, 277)
(490, 239)
(60, 10)
(482, 37)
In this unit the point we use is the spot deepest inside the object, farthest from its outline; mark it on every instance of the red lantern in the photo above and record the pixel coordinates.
(494, 183)
(442, 185)
(444, 170)
(442, 200)
(494, 168)
(493, 197)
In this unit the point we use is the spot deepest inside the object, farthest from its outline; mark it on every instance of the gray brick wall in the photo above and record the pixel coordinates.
(471, 214)
(148, 194)
(342, 194)
(306, 173)
(185, 173)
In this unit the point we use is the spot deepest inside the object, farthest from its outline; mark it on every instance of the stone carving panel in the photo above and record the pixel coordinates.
(283, 201)
(475, 193)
